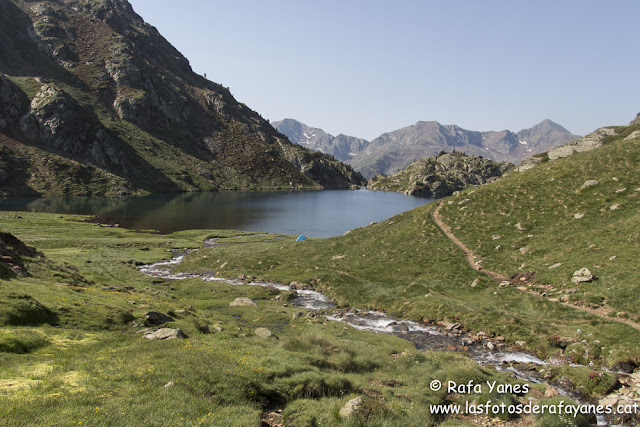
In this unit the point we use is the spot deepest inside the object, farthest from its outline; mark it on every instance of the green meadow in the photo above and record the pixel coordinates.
(71, 351)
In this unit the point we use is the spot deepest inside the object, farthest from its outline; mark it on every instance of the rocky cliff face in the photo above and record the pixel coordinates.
(90, 88)
(441, 175)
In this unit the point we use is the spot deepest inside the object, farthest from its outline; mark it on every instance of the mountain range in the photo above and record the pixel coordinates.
(93, 100)
(393, 151)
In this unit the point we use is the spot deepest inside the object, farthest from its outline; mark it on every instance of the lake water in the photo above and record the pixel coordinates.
(312, 213)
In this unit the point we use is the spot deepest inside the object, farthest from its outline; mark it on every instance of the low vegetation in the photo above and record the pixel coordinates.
(68, 348)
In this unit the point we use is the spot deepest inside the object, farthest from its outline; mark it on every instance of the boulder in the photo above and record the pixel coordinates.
(242, 302)
(582, 276)
(157, 318)
(589, 183)
(263, 332)
(351, 407)
(165, 334)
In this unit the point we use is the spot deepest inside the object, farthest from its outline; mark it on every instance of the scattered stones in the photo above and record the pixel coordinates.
(242, 302)
(621, 190)
(520, 227)
(337, 257)
(613, 257)
(578, 216)
(521, 343)
(614, 207)
(165, 334)
(589, 183)
(156, 318)
(462, 202)
(556, 265)
(169, 384)
(496, 237)
(351, 407)
(504, 284)
(475, 282)
(263, 332)
(489, 345)
(582, 276)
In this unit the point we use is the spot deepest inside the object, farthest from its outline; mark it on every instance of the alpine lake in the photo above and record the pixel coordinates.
(317, 214)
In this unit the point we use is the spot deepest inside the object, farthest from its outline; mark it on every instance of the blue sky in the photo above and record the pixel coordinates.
(363, 68)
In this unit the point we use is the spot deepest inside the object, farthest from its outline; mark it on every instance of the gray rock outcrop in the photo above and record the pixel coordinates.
(587, 143)
(165, 334)
(441, 175)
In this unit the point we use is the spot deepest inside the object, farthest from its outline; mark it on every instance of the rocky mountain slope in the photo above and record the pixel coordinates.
(93, 100)
(395, 150)
(342, 147)
(441, 175)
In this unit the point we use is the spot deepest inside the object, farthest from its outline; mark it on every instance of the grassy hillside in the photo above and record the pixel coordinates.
(69, 354)
(562, 223)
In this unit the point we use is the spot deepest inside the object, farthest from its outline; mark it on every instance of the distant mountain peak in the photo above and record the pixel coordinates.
(393, 151)
(342, 147)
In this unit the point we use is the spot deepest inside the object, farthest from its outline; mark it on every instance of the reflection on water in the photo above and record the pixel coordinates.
(312, 213)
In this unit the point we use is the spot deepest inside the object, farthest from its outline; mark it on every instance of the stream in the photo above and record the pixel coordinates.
(423, 336)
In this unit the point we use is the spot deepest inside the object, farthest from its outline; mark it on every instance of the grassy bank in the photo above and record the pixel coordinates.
(83, 362)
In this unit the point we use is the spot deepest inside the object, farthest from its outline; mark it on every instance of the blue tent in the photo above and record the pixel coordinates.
(301, 238)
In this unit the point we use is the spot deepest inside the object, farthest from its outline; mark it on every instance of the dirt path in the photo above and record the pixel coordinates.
(471, 259)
